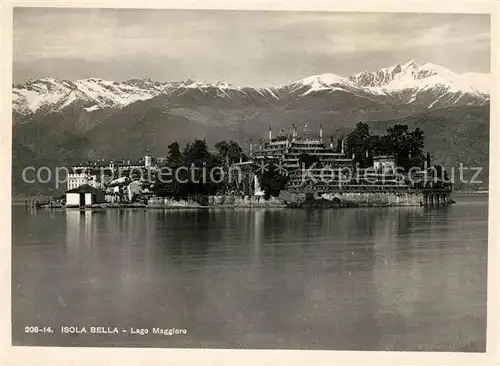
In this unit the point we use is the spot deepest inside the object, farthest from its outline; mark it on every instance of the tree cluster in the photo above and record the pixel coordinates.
(230, 152)
(399, 141)
(194, 172)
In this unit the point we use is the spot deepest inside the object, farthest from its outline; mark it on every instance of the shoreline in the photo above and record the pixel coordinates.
(311, 206)
(22, 200)
(286, 199)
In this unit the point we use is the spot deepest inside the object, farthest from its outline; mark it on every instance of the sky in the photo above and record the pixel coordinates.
(247, 48)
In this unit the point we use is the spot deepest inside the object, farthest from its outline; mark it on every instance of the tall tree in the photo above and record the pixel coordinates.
(235, 152)
(380, 145)
(416, 142)
(358, 143)
(174, 154)
(191, 172)
(407, 146)
(222, 148)
(229, 152)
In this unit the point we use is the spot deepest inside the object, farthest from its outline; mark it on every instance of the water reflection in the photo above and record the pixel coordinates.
(378, 279)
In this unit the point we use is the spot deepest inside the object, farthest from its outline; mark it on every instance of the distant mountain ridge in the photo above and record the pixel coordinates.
(62, 122)
(425, 86)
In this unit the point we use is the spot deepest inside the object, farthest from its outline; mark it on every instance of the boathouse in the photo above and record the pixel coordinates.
(84, 195)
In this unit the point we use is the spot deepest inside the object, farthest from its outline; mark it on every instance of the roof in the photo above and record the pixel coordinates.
(84, 189)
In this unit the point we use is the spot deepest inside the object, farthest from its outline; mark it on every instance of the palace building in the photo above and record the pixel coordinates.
(330, 168)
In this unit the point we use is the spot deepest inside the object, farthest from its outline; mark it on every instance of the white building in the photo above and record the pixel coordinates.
(384, 163)
(84, 195)
(75, 180)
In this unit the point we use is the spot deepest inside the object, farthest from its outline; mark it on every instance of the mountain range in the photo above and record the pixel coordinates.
(427, 85)
(62, 121)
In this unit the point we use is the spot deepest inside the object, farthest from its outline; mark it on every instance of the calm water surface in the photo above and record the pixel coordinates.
(352, 279)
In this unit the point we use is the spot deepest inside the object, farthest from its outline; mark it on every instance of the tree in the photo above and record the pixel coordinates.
(186, 149)
(191, 172)
(229, 152)
(272, 180)
(416, 143)
(235, 152)
(174, 154)
(358, 143)
(407, 146)
(380, 145)
(199, 163)
(222, 148)
(196, 152)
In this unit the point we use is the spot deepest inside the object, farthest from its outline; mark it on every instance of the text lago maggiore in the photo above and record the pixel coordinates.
(116, 330)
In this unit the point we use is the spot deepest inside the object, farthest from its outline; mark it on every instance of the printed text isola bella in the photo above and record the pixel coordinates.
(116, 330)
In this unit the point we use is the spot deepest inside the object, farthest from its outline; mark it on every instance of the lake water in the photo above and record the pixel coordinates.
(350, 279)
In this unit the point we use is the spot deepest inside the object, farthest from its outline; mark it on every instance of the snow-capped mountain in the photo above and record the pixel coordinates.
(49, 94)
(426, 86)
(93, 94)
(324, 82)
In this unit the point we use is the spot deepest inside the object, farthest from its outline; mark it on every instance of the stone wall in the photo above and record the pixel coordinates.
(217, 201)
(378, 199)
(171, 203)
(247, 201)
(344, 199)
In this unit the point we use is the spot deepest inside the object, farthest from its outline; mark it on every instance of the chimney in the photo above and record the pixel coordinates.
(270, 133)
(294, 132)
(342, 144)
(241, 158)
(321, 132)
(250, 145)
(331, 141)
